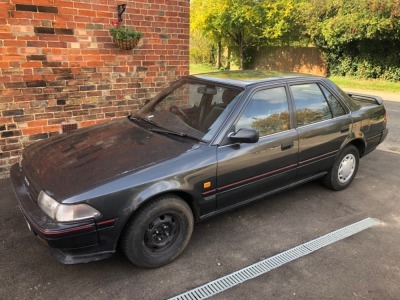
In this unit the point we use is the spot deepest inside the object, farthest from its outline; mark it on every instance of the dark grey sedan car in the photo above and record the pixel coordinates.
(207, 144)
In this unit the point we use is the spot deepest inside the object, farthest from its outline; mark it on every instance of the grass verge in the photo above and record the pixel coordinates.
(343, 82)
(201, 68)
(366, 84)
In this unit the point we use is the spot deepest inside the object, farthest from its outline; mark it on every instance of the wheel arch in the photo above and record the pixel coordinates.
(158, 231)
(360, 145)
(184, 195)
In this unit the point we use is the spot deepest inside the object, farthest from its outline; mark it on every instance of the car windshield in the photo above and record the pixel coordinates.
(191, 108)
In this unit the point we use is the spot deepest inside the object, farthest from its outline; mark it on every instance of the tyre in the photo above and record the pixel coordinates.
(344, 169)
(158, 233)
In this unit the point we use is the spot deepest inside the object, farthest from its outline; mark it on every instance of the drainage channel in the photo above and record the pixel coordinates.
(219, 285)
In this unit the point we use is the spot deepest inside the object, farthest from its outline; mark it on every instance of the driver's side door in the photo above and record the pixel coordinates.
(248, 171)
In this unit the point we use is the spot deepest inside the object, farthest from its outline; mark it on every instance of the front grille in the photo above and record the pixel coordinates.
(30, 185)
(33, 192)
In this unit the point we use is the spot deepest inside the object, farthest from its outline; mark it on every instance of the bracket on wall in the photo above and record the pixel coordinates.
(120, 10)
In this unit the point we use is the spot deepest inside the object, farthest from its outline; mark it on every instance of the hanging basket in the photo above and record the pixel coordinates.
(126, 44)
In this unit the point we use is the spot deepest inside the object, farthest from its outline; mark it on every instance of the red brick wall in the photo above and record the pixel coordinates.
(58, 64)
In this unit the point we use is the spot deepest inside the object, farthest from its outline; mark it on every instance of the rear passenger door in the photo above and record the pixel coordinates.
(248, 171)
(323, 124)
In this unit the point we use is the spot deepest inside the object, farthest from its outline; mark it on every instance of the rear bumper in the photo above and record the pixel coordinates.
(72, 242)
(374, 141)
(384, 135)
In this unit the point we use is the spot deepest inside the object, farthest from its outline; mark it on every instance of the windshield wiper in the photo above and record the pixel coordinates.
(162, 130)
(180, 134)
(132, 117)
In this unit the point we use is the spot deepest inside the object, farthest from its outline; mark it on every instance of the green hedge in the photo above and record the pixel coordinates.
(368, 59)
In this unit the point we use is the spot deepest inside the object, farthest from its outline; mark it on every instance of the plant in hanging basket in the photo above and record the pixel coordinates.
(124, 37)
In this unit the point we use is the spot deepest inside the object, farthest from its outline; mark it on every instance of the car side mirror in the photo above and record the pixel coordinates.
(244, 135)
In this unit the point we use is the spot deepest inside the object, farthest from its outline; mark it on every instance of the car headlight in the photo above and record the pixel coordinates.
(65, 213)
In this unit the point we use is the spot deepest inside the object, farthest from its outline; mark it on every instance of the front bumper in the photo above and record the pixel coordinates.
(71, 242)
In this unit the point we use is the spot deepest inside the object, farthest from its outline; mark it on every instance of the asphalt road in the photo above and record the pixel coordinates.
(393, 139)
(364, 266)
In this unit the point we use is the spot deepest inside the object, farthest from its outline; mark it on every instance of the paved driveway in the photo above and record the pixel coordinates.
(364, 266)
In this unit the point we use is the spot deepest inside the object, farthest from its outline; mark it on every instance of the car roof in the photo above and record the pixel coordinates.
(245, 78)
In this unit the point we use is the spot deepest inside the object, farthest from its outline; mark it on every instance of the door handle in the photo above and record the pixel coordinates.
(287, 146)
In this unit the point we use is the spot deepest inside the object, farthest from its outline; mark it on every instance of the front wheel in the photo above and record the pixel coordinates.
(158, 233)
(344, 169)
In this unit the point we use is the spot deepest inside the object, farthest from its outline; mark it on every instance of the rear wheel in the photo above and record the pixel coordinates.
(344, 169)
(158, 233)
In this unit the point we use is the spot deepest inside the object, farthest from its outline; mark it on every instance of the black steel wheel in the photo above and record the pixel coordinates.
(344, 169)
(158, 233)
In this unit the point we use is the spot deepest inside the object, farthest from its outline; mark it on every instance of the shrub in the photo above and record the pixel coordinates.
(121, 32)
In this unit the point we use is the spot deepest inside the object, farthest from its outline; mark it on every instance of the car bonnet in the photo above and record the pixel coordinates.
(72, 162)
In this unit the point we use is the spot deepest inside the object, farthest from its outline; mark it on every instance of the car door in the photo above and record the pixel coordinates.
(248, 171)
(323, 124)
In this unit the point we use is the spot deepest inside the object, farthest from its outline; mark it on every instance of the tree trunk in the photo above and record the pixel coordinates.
(212, 54)
(241, 56)
(241, 52)
(228, 63)
(219, 54)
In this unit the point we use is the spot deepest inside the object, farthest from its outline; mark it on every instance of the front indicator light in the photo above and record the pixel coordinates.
(48, 204)
(65, 213)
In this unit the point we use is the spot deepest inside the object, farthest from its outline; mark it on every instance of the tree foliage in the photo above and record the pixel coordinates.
(335, 23)
(244, 25)
(200, 48)
(360, 37)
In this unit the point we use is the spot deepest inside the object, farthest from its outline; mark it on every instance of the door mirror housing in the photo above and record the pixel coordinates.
(244, 135)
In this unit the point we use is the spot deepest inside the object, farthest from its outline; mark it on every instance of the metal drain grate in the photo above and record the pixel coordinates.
(262, 267)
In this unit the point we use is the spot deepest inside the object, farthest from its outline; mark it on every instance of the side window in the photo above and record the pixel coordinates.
(311, 105)
(336, 108)
(267, 112)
